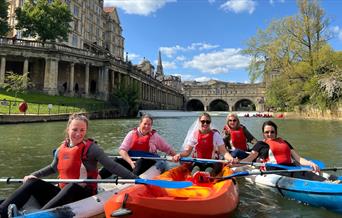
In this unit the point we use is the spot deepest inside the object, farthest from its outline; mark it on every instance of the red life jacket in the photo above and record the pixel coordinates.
(70, 161)
(238, 138)
(205, 145)
(141, 143)
(279, 152)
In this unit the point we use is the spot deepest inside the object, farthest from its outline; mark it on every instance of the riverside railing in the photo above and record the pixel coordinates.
(8, 107)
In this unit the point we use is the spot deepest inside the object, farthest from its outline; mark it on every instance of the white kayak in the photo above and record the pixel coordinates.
(91, 206)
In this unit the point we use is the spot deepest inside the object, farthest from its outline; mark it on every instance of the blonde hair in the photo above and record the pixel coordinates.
(75, 116)
(235, 116)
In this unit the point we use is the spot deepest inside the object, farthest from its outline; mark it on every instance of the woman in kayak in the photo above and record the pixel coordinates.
(276, 150)
(142, 141)
(205, 141)
(236, 136)
(76, 158)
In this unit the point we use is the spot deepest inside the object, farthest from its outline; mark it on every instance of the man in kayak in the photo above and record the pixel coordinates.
(236, 136)
(274, 149)
(142, 141)
(76, 158)
(205, 141)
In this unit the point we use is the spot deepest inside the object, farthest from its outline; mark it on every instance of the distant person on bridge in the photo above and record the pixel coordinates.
(236, 136)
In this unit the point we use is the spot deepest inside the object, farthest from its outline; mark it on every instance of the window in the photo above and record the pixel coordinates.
(74, 40)
(76, 10)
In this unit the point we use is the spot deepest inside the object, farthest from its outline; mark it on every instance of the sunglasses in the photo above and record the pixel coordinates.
(232, 120)
(267, 132)
(205, 121)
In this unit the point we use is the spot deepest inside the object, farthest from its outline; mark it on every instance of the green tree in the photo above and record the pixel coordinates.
(126, 98)
(295, 49)
(47, 21)
(16, 83)
(4, 28)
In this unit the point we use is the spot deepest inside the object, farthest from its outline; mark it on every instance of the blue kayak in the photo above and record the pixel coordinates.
(319, 194)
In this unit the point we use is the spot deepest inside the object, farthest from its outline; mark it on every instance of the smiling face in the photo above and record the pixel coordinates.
(145, 125)
(269, 132)
(204, 123)
(76, 131)
(232, 121)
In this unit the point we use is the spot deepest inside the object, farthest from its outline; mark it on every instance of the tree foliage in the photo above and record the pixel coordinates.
(16, 83)
(126, 98)
(294, 59)
(47, 21)
(4, 28)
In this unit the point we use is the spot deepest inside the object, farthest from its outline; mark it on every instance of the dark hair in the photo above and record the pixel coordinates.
(146, 116)
(270, 123)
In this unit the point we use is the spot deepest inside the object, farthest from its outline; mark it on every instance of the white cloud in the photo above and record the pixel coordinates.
(140, 7)
(211, 1)
(273, 1)
(202, 79)
(133, 57)
(239, 6)
(337, 32)
(219, 61)
(169, 65)
(170, 51)
(181, 58)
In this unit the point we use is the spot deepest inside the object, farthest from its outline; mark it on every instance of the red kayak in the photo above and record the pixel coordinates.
(205, 198)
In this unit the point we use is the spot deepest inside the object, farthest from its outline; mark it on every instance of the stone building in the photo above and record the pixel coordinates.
(90, 64)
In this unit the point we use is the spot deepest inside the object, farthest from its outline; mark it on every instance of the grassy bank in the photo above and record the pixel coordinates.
(38, 103)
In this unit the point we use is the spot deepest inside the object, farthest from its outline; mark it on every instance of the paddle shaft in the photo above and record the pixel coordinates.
(11, 180)
(160, 183)
(259, 172)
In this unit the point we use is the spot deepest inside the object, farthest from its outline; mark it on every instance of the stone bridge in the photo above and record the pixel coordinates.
(221, 96)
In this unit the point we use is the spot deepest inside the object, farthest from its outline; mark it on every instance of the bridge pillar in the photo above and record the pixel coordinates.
(206, 107)
(51, 76)
(2, 70)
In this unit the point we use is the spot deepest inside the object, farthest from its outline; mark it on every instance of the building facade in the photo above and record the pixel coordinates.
(90, 64)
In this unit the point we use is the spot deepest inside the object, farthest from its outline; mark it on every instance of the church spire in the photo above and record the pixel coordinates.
(160, 66)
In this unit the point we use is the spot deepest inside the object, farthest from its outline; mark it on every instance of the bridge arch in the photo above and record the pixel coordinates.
(244, 104)
(218, 105)
(194, 105)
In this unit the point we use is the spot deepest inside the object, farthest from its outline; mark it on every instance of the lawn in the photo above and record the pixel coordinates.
(39, 103)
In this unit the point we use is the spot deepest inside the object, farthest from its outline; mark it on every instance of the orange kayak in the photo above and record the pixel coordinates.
(203, 199)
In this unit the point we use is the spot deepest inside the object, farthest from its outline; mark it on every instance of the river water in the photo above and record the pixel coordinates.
(27, 147)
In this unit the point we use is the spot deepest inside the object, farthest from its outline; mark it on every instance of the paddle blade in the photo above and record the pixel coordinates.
(164, 183)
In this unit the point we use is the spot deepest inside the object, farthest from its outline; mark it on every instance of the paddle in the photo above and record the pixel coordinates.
(160, 183)
(257, 164)
(259, 172)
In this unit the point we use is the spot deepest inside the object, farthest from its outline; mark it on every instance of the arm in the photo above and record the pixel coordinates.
(127, 158)
(161, 144)
(184, 153)
(95, 153)
(250, 138)
(222, 149)
(46, 171)
(303, 161)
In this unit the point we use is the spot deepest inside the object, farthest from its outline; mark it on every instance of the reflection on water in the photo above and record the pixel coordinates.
(28, 147)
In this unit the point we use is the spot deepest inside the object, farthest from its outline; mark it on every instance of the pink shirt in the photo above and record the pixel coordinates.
(156, 143)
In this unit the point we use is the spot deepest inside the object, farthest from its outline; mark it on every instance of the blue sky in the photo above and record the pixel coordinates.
(201, 39)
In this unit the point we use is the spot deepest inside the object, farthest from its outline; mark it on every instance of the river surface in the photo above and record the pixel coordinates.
(25, 148)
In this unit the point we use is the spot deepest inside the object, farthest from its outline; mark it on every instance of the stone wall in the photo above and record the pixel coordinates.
(21, 118)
